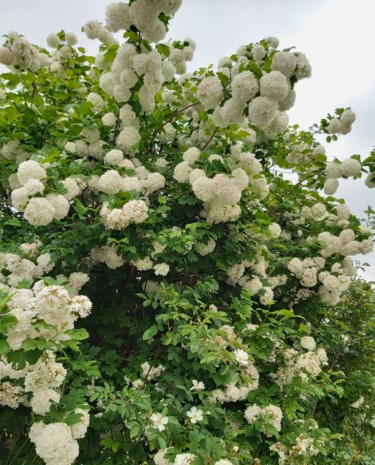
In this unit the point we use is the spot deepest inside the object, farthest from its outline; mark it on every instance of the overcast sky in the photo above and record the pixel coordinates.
(337, 36)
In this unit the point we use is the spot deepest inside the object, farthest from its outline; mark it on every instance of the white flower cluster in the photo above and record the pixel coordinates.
(90, 144)
(61, 56)
(130, 66)
(342, 125)
(265, 99)
(41, 379)
(183, 459)
(54, 443)
(220, 194)
(38, 211)
(15, 269)
(144, 15)
(205, 248)
(233, 393)
(133, 212)
(258, 266)
(336, 169)
(107, 254)
(43, 312)
(270, 415)
(51, 304)
(336, 279)
(151, 372)
(302, 365)
(301, 153)
(12, 151)
(19, 52)
(305, 447)
(159, 457)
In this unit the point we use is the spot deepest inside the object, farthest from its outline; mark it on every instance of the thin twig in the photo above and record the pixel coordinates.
(209, 140)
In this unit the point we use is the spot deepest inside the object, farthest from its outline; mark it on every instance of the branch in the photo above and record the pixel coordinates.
(170, 119)
(209, 140)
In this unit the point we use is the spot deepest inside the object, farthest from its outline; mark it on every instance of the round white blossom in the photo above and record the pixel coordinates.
(210, 92)
(109, 119)
(262, 111)
(111, 182)
(60, 204)
(39, 211)
(30, 169)
(54, 443)
(136, 211)
(161, 269)
(245, 86)
(274, 85)
(308, 343)
(351, 167)
(42, 400)
(330, 186)
(284, 62)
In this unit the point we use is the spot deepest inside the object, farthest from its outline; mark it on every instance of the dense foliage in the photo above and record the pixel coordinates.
(175, 275)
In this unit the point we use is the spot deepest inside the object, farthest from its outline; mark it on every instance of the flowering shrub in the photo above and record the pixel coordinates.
(168, 294)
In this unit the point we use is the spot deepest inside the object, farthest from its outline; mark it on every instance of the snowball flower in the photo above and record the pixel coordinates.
(350, 167)
(348, 117)
(191, 155)
(128, 138)
(110, 182)
(274, 85)
(42, 400)
(79, 429)
(182, 171)
(284, 62)
(330, 186)
(109, 119)
(370, 180)
(118, 16)
(274, 229)
(114, 157)
(54, 443)
(195, 414)
(60, 204)
(39, 211)
(245, 86)
(136, 211)
(210, 92)
(308, 343)
(252, 413)
(30, 169)
(159, 421)
(162, 269)
(262, 111)
(183, 459)
(241, 357)
(6, 56)
(53, 40)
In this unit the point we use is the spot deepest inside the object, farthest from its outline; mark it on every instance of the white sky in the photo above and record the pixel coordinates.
(336, 35)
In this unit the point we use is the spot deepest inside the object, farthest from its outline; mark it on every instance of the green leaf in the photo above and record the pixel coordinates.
(162, 443)
(4, 347)
(134, 431)
(150, 332)
(163, 50)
